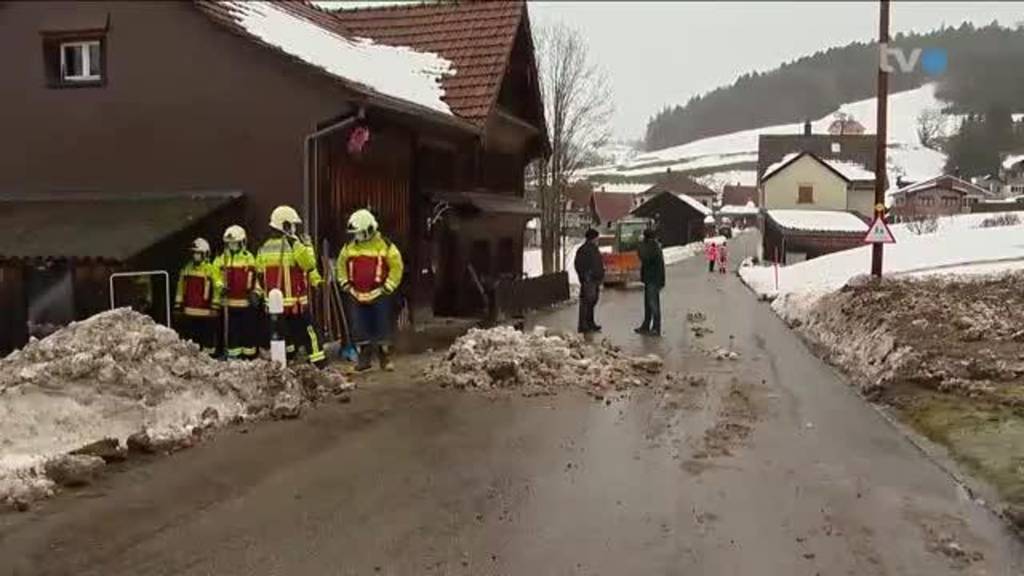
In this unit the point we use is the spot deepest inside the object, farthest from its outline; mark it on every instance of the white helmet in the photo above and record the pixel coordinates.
(200, 246)
(362, 224)
(234, 233)
(284, 216)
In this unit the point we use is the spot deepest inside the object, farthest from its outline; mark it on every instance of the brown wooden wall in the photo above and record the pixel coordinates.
(186, 105)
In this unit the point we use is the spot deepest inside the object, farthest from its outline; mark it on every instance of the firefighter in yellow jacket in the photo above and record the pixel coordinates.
(288, 263)
(370, 270)
(241, 296)
(196, 299)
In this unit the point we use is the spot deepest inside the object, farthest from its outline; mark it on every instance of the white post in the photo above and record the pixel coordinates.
(275, 307)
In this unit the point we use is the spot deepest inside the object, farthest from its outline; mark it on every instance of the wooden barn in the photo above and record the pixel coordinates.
(431, 128)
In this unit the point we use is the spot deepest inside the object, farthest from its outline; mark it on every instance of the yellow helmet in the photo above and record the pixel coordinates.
(201, 246)
(362, 224)
(282, 216)
(234, 233)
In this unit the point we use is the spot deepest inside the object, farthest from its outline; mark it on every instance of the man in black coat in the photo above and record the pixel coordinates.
(652, 274)
(590, 270)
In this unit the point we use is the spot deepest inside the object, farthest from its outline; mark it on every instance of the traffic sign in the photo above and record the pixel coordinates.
(879, 233)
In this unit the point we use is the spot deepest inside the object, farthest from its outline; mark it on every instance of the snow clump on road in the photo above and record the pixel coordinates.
(539, 363)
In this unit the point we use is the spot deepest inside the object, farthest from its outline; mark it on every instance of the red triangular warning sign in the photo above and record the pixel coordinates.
(879, 233)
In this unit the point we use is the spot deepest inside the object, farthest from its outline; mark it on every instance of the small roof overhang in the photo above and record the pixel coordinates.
(100, 227)
(489, 203)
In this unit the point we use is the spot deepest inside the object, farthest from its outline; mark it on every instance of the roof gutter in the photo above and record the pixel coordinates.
(310, 147)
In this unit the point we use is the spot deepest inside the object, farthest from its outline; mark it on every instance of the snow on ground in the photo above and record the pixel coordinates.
(947, 251)
(539, 363)
(399, 72)
(907, 156)
(950, 224)
(818, 220)
(116, 375)
(717, 180)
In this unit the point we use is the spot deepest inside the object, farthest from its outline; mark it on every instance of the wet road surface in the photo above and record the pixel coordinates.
(768, 464)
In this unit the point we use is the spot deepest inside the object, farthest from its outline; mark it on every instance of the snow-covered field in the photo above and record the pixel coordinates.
(907, 156)
(958, 247)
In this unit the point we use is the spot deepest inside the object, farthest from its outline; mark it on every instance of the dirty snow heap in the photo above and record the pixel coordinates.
(119, 378)
(539, 363)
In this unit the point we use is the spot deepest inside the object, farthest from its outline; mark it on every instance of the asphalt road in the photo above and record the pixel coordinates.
(769, 465)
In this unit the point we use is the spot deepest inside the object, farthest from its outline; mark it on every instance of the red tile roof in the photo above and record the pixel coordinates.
(476, 36)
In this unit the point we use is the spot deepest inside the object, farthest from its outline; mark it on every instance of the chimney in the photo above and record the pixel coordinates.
(807, 127)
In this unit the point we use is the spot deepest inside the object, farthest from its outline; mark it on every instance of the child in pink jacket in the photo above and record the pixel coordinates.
(723, 257)
(711, 251)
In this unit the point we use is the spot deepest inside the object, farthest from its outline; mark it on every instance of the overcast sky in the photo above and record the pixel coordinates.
(659, 53)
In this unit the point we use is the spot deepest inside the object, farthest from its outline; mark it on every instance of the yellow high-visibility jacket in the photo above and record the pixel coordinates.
(198, 287)
(370, 268)
(291, 268)
(238, 273)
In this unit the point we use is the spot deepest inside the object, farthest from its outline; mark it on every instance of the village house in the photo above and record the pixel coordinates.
(943, 195)
(803, 180)
(220, 111)
(814, 174)
(1011, 175)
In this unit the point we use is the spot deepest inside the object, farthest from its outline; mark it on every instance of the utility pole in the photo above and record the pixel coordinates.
(882, 133)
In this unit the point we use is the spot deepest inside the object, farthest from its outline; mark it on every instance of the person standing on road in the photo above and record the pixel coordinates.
(723, 257)
(369, 270)
(590, 271)
(652, 274)
(711, 252)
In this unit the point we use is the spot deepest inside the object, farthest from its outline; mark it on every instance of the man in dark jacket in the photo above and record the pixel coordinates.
(652, 274)
(590, 270)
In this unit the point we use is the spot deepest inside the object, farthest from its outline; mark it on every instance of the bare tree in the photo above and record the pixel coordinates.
(577, 105)
(931, 128)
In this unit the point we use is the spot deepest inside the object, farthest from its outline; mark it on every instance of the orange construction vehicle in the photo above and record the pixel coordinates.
(622, 262)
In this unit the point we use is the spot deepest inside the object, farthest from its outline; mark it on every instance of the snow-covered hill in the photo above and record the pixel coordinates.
(736, 153)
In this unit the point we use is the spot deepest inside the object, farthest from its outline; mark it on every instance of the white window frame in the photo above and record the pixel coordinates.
(87, 67)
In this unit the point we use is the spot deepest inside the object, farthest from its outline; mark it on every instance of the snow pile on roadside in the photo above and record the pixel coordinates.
(121, 376)
(946, 334)
(949, 251)
(539, 363)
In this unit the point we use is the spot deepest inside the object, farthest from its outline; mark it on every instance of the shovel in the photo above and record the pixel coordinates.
(348, 352)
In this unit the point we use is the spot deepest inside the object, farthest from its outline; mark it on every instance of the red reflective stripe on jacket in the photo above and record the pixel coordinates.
(367, 273)
(197, 292)
(238, 282)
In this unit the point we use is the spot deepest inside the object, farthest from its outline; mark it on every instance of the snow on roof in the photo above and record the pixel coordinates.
(356, 4)
(695, 204)
(398, 72)
(1012, 159)
(851, 170)
(778, 165)
(748, 210)
(709, 219)
(818, 220)
(622, 188)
